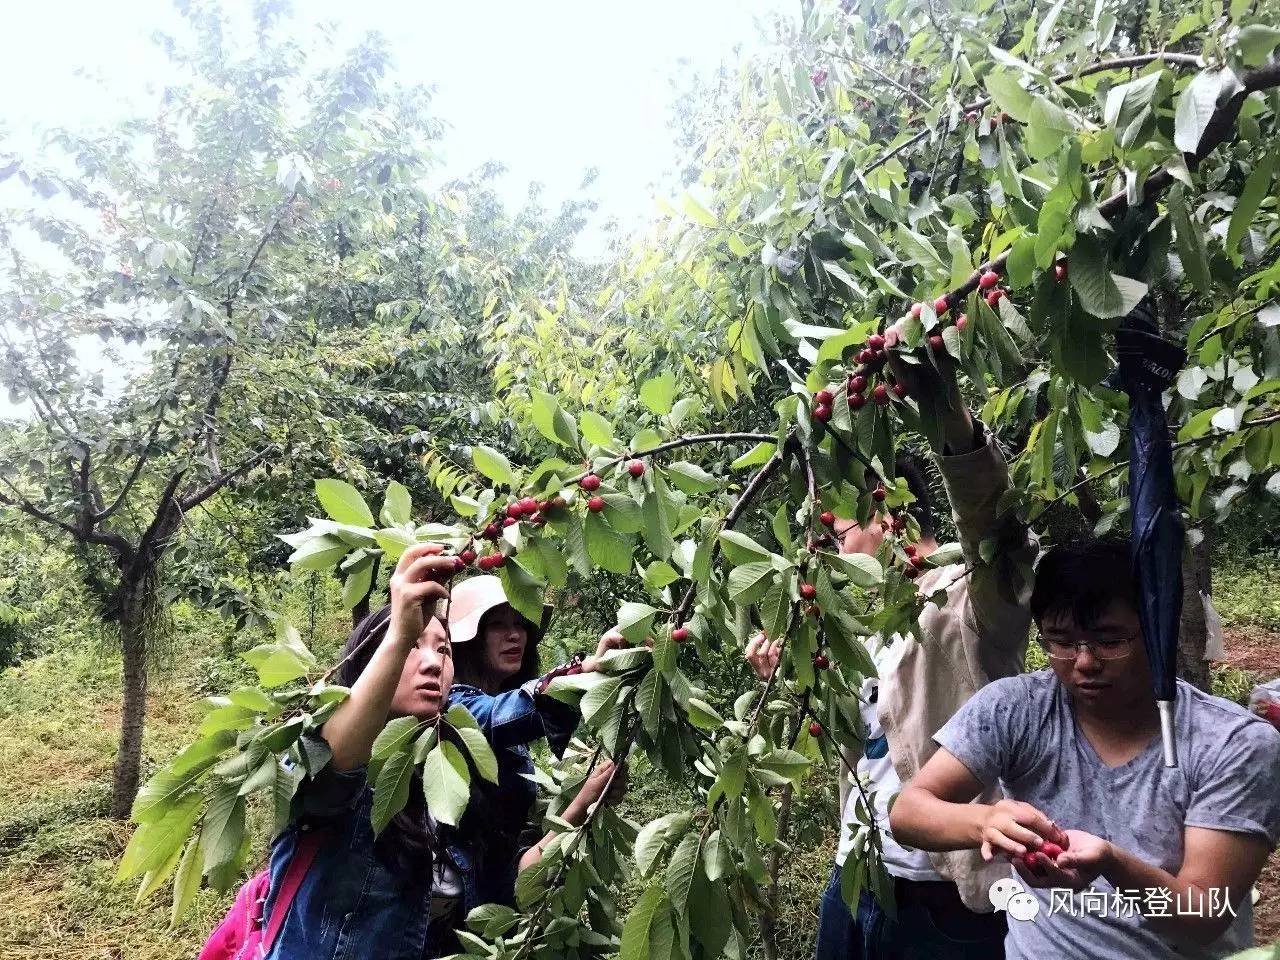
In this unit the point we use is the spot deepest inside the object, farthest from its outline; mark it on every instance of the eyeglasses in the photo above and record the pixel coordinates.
(1106, 649)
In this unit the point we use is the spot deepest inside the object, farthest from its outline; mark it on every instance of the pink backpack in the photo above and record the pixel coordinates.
(240, 935)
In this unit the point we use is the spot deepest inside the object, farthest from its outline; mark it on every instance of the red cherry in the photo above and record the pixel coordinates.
(988, 280)
(880, 394)
(1051, 850)
(595, 504)
(898, 523)
(875, 342)
(680, 634)
(1060, 271)
(962, 321)
(497, 561)
(918, 561)
(589, 482)
(468, 557)
(555, 503)
(910, 549)
(900, 390)
(492, 532)
(993, 297)
(827, 518)
(824, 398)
(941, 306)
(459, 564)
(916, 309)
(877, 361)
(1003, 117)
(857, 384)
(878, 494)
(866, 355)
(515, 511)
(815, 729)
(808, 591)
(821, 662)
(936, 343)
(529, 506)
(857, 401)
(911, 573)
(510, 522)
(822, 413)
(636, 468)
(537, 519)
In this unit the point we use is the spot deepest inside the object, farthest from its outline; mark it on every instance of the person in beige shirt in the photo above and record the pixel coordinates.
(978, 635)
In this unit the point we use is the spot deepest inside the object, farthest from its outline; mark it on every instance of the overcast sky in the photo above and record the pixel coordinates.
(549, 88)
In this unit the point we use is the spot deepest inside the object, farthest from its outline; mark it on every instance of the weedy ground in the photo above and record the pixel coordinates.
(58, 849)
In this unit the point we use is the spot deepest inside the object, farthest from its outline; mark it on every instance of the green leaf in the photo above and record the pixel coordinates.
(607, 548)
(153, 843)
(861, 569)
(680, 871)
(596, 429)
(1009, 94)
(599, 697)
(482, 755)
(1256, 41)
(224, 827)
(739, 548)
(394, 738)
(697, 212)
(635, 621)
(1102, 293)
(551, 421)
(690, 477)
(343, 503)
(391, 789)
(635, 931)
(659, 393)
(397, 505)
(1191, 249)
(649, 701)
(1047, 126)
(1251, 197)
(159, 795)
(318, 553)
(446, 782)
(493, 465)
(756, 456)
(186, 882)
(357, 584)
(522, 591)
(1197, 104)
(703, 716)
(748, 583)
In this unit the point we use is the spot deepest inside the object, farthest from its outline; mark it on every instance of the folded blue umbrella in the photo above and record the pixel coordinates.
(1147, 367)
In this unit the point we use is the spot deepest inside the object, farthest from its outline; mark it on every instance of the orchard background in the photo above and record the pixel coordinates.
(340, 360)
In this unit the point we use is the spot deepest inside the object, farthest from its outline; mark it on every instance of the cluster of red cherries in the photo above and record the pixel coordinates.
(871, 361)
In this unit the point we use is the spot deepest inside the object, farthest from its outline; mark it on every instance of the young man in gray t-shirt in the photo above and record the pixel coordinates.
(1158, 861)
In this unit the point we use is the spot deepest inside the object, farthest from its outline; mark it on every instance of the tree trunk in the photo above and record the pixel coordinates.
(769, 918)
(1193, 631)
(133, 706)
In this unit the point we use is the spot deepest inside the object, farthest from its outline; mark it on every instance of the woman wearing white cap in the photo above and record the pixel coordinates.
(499, 680)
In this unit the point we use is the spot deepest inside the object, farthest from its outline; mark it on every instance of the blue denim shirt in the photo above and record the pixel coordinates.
(350, 904)
(511, 721)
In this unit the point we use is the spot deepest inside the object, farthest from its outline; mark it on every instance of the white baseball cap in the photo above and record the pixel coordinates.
(471, 599)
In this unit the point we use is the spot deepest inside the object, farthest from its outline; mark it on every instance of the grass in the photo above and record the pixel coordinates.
(1244, 589)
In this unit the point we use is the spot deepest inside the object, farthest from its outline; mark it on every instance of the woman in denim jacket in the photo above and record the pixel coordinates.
(400, 895)
(500, 682)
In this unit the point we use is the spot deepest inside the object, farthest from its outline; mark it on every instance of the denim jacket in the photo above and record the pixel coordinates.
(511, 721)
(350, 904)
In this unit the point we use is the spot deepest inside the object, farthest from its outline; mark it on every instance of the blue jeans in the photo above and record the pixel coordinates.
(920, 931)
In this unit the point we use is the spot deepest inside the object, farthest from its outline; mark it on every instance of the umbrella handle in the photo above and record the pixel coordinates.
(1166, 732)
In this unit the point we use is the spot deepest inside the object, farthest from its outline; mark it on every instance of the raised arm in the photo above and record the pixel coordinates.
(602, 786)
(976, 477)
(418, 581)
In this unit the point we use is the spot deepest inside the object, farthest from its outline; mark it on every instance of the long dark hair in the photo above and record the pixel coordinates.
(407, 847)
(469, 657)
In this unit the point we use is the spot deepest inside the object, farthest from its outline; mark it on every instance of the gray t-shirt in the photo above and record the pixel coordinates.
(1022, 732)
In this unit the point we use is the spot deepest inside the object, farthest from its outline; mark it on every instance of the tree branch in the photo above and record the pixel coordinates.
(196, 497)
(101, 537)
(1118, 63)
